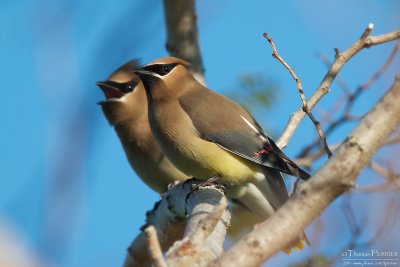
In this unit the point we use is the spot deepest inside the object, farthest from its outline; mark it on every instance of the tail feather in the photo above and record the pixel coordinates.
(295, 170)
(303, 174)
(263, 196)
(297, 244)
(285, 163)
(274, 190)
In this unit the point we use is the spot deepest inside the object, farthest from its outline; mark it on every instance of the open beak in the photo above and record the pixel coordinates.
(111, 89)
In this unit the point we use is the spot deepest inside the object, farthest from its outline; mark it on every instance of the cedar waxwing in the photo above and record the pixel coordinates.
(206, 135)
(125, 108)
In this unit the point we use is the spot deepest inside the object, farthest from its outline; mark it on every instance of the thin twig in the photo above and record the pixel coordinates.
(391, 178)
(308, 160)
(350, 100)
(378, 73)
(383, 38)
(154, 247)
(358, 228)
(306, 109)
(323, 88)
(340, 81)
(390, 219)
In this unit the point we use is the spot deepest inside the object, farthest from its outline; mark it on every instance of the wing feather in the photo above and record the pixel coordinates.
(222, 121)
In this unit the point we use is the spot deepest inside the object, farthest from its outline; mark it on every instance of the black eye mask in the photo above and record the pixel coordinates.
(160, 69)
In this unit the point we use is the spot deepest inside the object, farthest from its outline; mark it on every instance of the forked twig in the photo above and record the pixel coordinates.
(349, 100)
(364, 41)
(306, 109)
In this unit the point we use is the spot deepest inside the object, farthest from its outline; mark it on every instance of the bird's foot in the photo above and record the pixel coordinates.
(212, 181)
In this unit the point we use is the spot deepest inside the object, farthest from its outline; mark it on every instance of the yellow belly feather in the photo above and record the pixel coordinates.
(207, 159)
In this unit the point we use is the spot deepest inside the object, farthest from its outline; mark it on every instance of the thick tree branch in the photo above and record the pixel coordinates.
(194, 214)
(205, 231)
(154, 247)
(334, 178)
(365, 41)
(169, 218)
(182, 35)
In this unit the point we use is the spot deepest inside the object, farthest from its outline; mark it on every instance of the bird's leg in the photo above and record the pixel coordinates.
(213, 180)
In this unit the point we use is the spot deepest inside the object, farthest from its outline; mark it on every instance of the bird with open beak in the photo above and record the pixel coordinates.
(206, 135)
(125, 108)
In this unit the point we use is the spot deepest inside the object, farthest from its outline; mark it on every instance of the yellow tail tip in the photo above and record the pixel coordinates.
(297, 245)
(287, 250)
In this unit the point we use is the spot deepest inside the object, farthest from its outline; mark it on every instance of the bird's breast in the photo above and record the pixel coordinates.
(181, 143)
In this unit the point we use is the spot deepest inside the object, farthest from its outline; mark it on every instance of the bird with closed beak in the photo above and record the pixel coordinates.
(206, 135)
(125, 108)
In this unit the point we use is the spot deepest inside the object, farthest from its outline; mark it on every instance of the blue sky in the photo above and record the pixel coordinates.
(66, 186)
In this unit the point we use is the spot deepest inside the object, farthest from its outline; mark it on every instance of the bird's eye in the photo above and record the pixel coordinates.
(166, 69)
(128, 87)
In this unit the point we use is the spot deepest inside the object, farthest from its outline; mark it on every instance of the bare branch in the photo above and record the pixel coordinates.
(391, 178)
(180, 215)
(351, 97)
(208, 224)
(205, 230)
(349, 100)
(307, 161)
(182, 34)
(333, 179)
(339, 80)
(383, 38)
(357, 229)
(169, 218)
(154, 247)
(306, 109)
(378, 73)
(323, 88)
